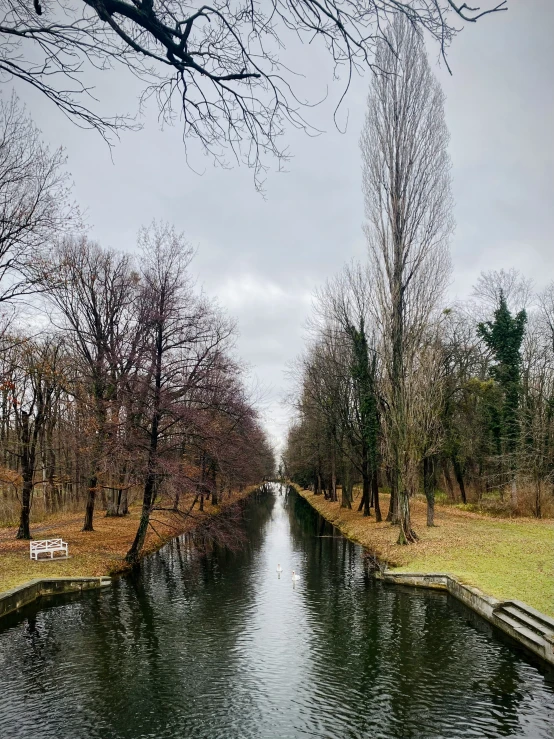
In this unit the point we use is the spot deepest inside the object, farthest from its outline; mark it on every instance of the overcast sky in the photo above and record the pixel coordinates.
(262, 258)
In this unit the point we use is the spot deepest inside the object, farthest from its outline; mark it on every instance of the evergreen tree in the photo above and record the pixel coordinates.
(504, 336)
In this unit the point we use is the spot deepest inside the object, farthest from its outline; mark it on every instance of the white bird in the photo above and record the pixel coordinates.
(279, 568)
(295, 577)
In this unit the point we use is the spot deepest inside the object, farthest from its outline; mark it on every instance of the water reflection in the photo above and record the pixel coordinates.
(221, 645)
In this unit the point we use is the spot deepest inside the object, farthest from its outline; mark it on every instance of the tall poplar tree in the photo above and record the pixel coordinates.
(406, 182)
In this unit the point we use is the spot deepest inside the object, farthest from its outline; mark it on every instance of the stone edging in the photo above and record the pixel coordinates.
(530, 628)
(12, 600)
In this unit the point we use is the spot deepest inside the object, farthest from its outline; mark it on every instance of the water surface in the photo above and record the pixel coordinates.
(218, 645)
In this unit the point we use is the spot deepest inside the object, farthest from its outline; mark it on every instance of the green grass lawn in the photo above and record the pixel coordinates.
(510, 559)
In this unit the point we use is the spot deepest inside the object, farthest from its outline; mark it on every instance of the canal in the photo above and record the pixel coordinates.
(220, 646)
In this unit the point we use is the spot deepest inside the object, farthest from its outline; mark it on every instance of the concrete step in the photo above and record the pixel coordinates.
(525, 618)
(542, 618)
(518, 627)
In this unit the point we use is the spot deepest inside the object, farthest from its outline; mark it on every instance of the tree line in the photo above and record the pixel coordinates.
(119, 382)
(398, 389)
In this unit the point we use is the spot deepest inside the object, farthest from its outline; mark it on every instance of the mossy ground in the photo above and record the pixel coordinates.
(509, 559)
(95, 553)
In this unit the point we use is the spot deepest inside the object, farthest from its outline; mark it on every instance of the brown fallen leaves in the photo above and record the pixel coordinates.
(97, 553)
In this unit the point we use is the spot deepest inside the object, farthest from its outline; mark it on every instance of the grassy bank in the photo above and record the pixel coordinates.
(97, 553)
(509, 559)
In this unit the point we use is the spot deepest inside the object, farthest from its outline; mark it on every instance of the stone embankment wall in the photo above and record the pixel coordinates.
(530, 628)
(12, 600)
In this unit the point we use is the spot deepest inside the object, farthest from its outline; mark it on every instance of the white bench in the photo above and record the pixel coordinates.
(48, 546)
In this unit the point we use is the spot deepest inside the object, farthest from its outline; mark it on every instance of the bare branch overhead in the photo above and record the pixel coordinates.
(222, 68)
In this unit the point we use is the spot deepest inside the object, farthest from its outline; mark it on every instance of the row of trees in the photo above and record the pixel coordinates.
(118, 377)
(396, 389)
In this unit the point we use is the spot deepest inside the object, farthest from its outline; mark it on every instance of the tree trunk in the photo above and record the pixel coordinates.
(397, 379)
(51, 473)
(431, 511)
(23, 531)
(48, 470)
(151, 482)
(429, 484)
(366, 485)
(346, 496)
(375, 493)
(392, 514)
(333, 474)
(27, 472)
(459, 478)
(407, 535)
(59, 497)
(213, 479)
(150, 490)
(133, 554)
(371, 492)
(91, 487)
(124, 503)
(538, 499)
(89, 509)
(346, 493)
(448, 478)
(95, 466)
(113, 502)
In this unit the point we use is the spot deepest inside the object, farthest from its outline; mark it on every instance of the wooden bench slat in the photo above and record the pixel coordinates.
(48, 546)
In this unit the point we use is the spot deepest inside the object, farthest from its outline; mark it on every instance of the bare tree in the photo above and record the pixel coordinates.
(34, 201)
(39, 376)
(546, 313)
(186, 338)
(95, 293)
(325, 405)
(426, 387)
(516, 289)
(535, 461)
(406, 182)
(223, 67)
(138, 389)
(344, 305)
